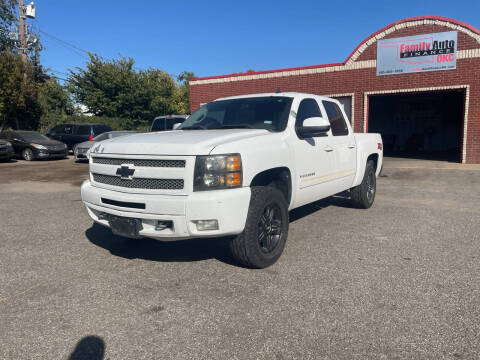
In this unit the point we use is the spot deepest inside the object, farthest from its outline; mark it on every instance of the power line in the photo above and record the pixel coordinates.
(59, 72)
(74, 48)
(80, 51)
(56, 77)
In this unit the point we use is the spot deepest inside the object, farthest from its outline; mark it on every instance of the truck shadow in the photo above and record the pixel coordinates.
(338, 200)
(165, 251)
(190, 249)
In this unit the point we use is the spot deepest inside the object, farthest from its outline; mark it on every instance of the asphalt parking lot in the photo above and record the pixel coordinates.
(398, 281)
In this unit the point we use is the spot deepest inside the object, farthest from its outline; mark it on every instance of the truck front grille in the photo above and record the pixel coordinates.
(140, 162)
(139, 183)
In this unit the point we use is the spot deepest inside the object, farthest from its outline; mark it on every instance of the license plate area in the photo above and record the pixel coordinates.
(123, 226)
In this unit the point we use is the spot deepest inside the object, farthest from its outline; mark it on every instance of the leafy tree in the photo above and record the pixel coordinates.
(7, 18)
(185, 90)
(18, 93)
(114, 88)
(54, 102)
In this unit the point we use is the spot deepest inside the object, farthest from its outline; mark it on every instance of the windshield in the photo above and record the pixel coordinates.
(32, 136)
(270, 113)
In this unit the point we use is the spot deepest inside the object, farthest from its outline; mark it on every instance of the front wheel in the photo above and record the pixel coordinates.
(27, 154)
(363, 195)
(266, 230)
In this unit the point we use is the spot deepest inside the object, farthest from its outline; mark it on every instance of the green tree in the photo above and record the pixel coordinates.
(7, 18)
(185, 90)
(18, 93)
(114, 88)
(54, 102)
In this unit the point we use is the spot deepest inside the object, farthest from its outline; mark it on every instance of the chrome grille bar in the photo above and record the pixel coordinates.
(139, 183)
(140, 162)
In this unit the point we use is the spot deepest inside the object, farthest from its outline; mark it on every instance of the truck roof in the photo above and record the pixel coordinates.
(291, 94)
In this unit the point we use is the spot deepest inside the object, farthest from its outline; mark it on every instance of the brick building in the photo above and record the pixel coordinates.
(421, 113)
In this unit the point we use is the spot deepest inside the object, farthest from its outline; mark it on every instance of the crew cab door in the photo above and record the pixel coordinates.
(314, 158)
(343, 144)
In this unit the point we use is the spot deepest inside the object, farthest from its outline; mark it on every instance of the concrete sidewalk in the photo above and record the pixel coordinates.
(404, 163)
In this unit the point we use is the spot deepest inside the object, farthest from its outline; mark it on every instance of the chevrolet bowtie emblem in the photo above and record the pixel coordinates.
(125, 172)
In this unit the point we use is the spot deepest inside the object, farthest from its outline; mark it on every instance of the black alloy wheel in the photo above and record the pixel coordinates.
(270, 228)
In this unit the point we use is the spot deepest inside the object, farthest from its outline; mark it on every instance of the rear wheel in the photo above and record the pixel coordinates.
(266, 230)
(27, 154)
(363, 195)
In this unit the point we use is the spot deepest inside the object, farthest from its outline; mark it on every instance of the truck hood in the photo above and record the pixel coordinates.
(179, 142)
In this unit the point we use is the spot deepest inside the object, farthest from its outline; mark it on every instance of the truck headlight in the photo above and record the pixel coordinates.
(9, 144)
(214, 172)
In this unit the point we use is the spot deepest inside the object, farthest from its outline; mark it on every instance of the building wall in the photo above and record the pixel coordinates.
(362, 81)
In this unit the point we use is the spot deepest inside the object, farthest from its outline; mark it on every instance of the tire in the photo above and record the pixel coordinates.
(363, 195)
(27, 154)
(266, 230)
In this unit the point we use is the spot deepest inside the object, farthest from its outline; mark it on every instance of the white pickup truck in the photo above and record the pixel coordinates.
(235, 167)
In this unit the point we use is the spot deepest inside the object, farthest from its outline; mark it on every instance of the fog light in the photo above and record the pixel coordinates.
(203, 225)
(163, 224)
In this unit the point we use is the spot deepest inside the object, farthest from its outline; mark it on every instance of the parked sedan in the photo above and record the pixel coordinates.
(82, 148)
(31, 145)
(6, 150)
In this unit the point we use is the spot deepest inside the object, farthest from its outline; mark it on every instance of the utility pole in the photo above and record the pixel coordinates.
(23, 43)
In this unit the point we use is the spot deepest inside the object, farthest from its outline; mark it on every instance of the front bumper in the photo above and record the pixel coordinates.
(6, 154)
(228, 207)
(50, 154)
(81, 153)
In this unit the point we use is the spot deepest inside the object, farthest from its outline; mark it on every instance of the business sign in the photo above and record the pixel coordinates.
(419, 53)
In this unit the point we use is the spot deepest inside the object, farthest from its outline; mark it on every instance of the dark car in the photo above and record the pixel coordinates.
(163, 123)
(75, 133)
(31, 145)
(6, 150)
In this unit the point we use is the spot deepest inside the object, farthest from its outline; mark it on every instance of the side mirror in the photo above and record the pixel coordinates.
(176, 125)
(313, 127)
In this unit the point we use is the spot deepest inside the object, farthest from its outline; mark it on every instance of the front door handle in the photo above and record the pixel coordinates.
(328, 148)
(351, 146)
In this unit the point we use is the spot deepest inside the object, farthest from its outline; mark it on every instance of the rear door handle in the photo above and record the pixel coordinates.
(328, 148)
(351, 146)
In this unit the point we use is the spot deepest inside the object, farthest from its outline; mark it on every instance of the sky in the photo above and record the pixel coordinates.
(221, 37)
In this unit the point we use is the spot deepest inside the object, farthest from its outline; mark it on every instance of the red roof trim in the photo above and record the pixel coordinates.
(430, 17)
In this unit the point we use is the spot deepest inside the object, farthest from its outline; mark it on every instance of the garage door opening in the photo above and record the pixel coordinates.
(419, 125)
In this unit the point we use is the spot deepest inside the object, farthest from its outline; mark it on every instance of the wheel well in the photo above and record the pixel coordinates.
(373, 157)
(277, 177)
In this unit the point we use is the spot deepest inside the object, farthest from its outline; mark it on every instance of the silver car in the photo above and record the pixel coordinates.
(81, 149)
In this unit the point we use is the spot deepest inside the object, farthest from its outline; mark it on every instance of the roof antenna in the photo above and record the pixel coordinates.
(278, 90)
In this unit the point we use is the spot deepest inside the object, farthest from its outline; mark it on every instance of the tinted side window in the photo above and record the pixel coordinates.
(158, 124)
(335, 116)
(68, 129)
(59, 129)
(99, 129)
(172, 121)
(308, 108)
(84, 130)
